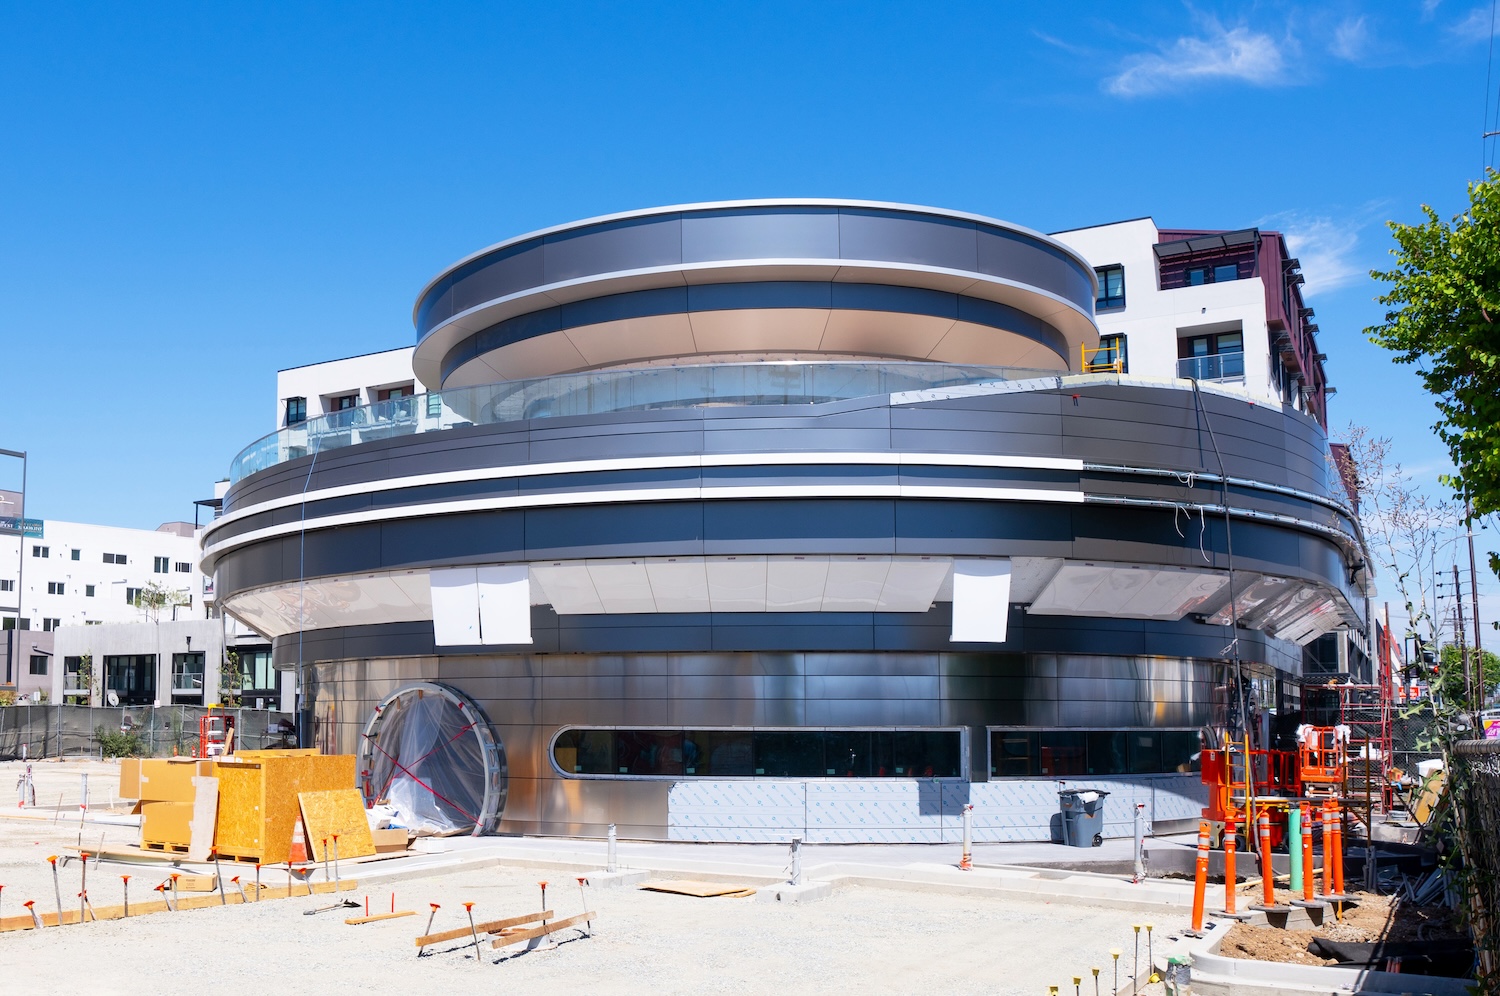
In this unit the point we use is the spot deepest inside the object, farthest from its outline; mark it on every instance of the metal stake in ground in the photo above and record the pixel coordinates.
(1150, 958)
(219, 878)
(1095, 970)
(337, 887)
(1115, 954)
(1077, 985)
(241, 888)
(1135, 971)
(31, 908)
(430, 917)
(544, 896)
(257, 883)
(175, 877)
(56, 888)
(582, 881)
(469, 909)
(325, 866)
(126, 880)
(83, 884)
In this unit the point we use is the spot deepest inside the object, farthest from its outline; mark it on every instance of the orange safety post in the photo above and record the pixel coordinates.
(1267, 868)
(1229, 876)
(1338, 848)
(1327, 851)
(1307, 854)
(1200, 875)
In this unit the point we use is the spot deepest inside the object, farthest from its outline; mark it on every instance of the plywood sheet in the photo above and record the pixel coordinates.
(170, 779)
(205, 816)
(703, 890)
(336, 811)
(166, 823)
(130, 778)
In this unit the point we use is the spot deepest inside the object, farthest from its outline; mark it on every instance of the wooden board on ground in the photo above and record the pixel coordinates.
(703, 890)
(488, 927)
(336, 811)
(204, 819)
(550, 928)
(380, 916)
(258, 800)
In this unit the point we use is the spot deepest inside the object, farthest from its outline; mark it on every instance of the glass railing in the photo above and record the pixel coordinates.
(602, 391)
(1222, 366)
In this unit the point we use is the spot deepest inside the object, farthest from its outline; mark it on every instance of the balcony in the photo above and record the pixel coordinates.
(1218, 367)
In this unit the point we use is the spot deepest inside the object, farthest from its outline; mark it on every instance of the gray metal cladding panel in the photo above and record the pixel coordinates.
(872, 686)
(874, 712)
(823, 636)
(1003, 255)
(1044, 421)
(610, 480)
(619, 441)
(630, 244)
(774, 665)
(858, 525)
(985, 665)
(865, 665)
(342, 550)
(860, 413)
(928, 240)
(759, 438)
(640, 529)
(954, 441)
(583, 687)
(788, 233)
(800, 476)
(646, 635)
(507, 272)
(1060, 480)
(469, 537)
(1029, 529)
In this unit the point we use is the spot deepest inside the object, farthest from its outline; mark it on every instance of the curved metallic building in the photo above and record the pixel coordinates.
(749, 519)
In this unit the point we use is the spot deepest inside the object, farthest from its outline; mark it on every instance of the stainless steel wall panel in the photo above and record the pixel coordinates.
(622, 245)
(788, 233)
(928, 241)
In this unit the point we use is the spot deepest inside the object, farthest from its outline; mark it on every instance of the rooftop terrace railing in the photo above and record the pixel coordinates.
(603, 391)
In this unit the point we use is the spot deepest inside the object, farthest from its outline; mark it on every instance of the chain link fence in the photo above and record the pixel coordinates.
(1413, 739)
(1475, 784)
(58, 731)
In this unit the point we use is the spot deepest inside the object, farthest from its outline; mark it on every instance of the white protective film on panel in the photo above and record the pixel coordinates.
(505, 604)
(455, 606)
(981, 601)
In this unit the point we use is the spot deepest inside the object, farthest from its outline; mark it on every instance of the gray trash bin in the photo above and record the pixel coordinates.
(1082, 816)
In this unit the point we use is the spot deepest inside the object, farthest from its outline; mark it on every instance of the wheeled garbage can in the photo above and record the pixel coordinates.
(1082, 816)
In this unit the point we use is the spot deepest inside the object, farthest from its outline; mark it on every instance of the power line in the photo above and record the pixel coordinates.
(1487, 130)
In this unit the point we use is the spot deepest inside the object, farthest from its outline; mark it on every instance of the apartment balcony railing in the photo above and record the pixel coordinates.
(601, 391)
(1223, 366)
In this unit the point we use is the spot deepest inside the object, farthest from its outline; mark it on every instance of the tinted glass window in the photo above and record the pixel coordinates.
(1063, 754)
(642, 752)
(1226, 271)
(789, 755)
(725, 753)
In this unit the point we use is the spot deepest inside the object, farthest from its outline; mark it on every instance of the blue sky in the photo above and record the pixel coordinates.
(192, 197)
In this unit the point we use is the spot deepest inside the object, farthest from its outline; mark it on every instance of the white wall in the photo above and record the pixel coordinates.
(75, 607)
(1153, 319)
(364, 375)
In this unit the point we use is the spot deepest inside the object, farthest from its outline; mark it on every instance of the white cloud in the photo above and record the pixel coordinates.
(1351, 39)
(1474, 26)
(1429, 8)
(1326, 249)
(1234, 54)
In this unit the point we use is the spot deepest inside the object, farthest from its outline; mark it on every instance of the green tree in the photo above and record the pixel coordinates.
(1450, 675)
(155, 597)
(1444, 317)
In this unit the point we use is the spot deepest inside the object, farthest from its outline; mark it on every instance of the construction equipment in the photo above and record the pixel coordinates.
(1323, 764)
(215, 734)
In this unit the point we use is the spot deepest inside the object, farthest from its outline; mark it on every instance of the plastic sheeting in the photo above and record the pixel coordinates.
(427, 764)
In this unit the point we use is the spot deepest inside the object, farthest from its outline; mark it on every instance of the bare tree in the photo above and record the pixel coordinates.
(1409, 531)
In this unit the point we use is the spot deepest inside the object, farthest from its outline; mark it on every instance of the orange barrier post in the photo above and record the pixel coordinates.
(1200, 875)
(1307, 854)
(1267, 868)
(1338, 848)
(1229, 876)
(1327, 851)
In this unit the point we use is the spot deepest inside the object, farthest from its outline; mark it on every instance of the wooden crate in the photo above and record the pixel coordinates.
(258, 800)
(389, 841)
(170, 779)
(165, 825)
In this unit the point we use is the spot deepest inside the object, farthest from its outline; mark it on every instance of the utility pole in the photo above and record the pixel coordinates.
(1463, 651)
(1474, 595)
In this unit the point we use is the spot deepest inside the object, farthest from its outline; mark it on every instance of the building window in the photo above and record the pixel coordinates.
(1217, 274)
(11, 622)
(55, 587)
(759, 753)
(71, 682)
(8, 585)
(38, 664)
(1057, 753)
(1111, 287)
(183, 567)
(434, 405)
(114, 558)
(131, 594)
(256, 672)
(48, 625)
(1212, 357)
(132, 677)
(161, 565)
(344, 402)
(187, 674)
(75, 554)
(88, 591)
(41, 551)
(1112, 353)
(296, 410)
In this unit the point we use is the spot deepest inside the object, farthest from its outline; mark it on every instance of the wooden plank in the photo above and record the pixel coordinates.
(380, 916)
(490, 927)
(204, 818)
(702, 890)
(150, 906)
(336, 811)
(542, 931)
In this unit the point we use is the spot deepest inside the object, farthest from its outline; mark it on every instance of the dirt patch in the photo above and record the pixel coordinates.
(1372, 918)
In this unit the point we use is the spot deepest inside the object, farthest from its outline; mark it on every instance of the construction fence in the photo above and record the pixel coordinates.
(1475, 780)
(34, 731)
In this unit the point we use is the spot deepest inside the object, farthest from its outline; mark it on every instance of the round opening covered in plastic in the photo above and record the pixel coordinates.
(429, 756)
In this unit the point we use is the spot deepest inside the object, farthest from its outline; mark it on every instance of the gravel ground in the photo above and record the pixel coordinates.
(861, 939)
